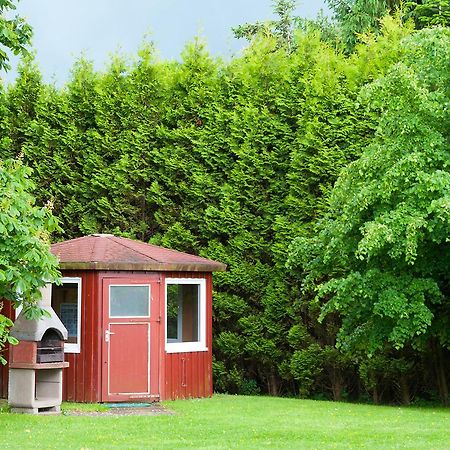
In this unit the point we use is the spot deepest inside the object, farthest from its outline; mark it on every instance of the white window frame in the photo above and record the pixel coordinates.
(185, 347)
(68, 346)
(130, 285)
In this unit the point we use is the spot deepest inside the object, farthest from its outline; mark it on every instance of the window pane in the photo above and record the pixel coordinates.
(172, 312)
(129, 301)
(65, 304)
(183, 313)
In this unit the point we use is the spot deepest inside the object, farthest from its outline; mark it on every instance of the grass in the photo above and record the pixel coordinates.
(235, 422)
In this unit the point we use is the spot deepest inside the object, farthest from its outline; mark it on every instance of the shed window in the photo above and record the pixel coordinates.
(66, 301)
(129, 301)
(185, 315)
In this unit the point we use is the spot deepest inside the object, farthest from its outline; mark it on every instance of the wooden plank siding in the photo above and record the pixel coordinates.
(82, 379)
(188, 375)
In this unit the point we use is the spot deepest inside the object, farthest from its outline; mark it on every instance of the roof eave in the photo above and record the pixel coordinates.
(149, 267)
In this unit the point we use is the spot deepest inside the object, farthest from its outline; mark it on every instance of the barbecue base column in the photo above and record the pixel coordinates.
(22, 385)
(36, 390)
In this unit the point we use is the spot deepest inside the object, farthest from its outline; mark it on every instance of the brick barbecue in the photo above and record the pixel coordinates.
(36, 363)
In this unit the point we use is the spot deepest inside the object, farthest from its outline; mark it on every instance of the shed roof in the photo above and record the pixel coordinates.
(109, 252)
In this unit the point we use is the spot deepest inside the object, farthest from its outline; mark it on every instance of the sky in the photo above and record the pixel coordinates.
(63, 30)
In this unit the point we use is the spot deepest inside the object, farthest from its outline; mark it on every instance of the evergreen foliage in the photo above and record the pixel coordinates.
(282, 29)
(428, 13)
(354, 18)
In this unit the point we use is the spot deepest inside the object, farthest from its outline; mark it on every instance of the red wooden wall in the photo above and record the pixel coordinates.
(82, 379)
(188, 375)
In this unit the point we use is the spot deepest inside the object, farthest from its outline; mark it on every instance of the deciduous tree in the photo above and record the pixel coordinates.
(381, 256)
(26, 263)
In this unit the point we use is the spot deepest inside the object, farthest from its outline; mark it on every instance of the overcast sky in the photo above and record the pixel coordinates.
(64, 29)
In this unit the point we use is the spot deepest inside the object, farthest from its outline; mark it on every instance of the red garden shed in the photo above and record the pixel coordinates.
(139, 320)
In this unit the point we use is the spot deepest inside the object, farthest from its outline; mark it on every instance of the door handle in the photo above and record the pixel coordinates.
(107, 335)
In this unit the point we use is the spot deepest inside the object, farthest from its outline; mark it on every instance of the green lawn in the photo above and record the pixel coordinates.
(237, 422)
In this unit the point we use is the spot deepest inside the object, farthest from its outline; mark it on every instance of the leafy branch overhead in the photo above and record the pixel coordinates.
(15, 33)
(26, 263)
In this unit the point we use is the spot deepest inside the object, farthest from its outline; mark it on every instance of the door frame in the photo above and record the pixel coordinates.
(153, 322)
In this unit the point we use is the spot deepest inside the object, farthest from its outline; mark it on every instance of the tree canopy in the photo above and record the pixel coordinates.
(26, 263)
(382, 252)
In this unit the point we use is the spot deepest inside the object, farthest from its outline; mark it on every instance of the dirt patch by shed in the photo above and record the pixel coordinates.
(154, 409)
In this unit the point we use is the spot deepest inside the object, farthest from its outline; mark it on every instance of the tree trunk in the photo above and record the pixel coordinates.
(404, 390)
(376, 395)
(337, 391)
(273, 385)
(337, 384)
(441, 378)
